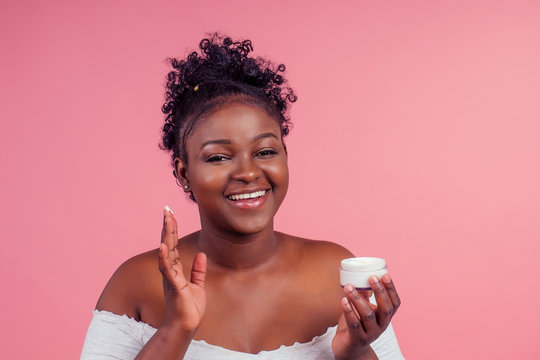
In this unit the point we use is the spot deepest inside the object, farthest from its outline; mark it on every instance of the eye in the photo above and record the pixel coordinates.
(266, 153)
(216, 158)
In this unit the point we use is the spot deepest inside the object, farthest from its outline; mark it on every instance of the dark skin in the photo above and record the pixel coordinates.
(237, 283)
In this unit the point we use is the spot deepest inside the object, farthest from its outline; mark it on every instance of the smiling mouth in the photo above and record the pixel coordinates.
(253, 195)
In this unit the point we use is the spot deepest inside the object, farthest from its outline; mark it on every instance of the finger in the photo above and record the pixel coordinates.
(173, 273)
(351, 319)
(385, 308)
(361, 304)
(164, 263)
(198, 270)
(169, 234)
(392, 292)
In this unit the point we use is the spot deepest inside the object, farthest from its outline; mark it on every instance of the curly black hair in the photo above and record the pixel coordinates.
(220, 71)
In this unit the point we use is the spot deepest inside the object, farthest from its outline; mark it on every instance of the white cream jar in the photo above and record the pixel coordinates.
(356, 271)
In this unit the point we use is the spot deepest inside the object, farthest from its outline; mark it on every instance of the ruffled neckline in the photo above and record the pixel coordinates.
(330, 332)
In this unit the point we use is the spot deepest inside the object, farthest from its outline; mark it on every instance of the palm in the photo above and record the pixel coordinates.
(185, 299)
(342, 340)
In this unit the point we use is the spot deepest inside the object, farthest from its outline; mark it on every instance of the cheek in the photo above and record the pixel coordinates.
(279, 174)
(208, 179)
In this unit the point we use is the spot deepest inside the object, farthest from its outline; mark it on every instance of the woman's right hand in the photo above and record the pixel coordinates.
(185, 299)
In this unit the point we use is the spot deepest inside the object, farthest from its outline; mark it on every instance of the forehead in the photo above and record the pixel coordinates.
(234, 121)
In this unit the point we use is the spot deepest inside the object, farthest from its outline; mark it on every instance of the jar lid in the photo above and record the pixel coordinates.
(363, 264)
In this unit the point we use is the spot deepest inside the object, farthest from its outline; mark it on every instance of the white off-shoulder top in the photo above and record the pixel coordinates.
(112, 336)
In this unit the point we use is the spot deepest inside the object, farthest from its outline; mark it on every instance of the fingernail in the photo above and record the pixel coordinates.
(346, 303)
(348, 288)
(168, 209)
(386, 279)
(375, 279)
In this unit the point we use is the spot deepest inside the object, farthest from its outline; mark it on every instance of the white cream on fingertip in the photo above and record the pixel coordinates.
(168, 209)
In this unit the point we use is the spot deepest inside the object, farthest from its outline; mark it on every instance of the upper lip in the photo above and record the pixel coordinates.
(246, 191)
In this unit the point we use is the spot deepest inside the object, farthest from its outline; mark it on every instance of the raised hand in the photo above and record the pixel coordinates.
(362, 322)
(185, 299)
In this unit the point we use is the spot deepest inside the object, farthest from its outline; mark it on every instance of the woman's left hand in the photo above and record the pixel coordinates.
(362, 322)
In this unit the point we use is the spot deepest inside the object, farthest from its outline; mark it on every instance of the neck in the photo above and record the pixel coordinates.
(238, 251)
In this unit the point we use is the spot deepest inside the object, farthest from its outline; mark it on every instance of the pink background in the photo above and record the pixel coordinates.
(417, 138)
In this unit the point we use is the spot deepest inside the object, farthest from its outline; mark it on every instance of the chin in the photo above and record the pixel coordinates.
(251, 227)
(250, 230)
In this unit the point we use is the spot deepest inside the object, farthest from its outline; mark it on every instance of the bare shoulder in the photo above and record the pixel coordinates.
(319, 259)
(132, 282)
(326, 249)
(317, 276)
(319, 251)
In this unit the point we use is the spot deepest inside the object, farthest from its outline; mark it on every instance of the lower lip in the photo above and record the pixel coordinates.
(249, 203)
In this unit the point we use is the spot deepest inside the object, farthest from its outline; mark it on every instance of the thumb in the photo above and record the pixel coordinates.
(198, 270)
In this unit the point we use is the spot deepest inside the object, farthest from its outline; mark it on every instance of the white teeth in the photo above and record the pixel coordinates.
(252, 195)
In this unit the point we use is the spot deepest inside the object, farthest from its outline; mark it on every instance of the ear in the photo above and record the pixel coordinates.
(285, 147)
(180, 170)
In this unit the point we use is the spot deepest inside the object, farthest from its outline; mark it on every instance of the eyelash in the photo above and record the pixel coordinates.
(266, 152)
(216, 158)
(262, 153)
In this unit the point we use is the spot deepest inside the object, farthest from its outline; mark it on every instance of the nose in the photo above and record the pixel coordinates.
(246, 169)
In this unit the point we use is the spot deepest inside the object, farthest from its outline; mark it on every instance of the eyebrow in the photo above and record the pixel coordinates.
(217, 141)
(265, 135)
(228, 142)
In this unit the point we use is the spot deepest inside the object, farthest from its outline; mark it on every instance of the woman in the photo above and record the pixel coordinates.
(237, 288)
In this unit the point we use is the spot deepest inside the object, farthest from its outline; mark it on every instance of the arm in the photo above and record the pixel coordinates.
(168, 342)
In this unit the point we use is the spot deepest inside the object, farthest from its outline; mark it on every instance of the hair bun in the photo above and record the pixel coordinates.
(221, 67)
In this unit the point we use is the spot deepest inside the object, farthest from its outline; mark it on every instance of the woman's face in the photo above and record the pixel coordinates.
(237, 168)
